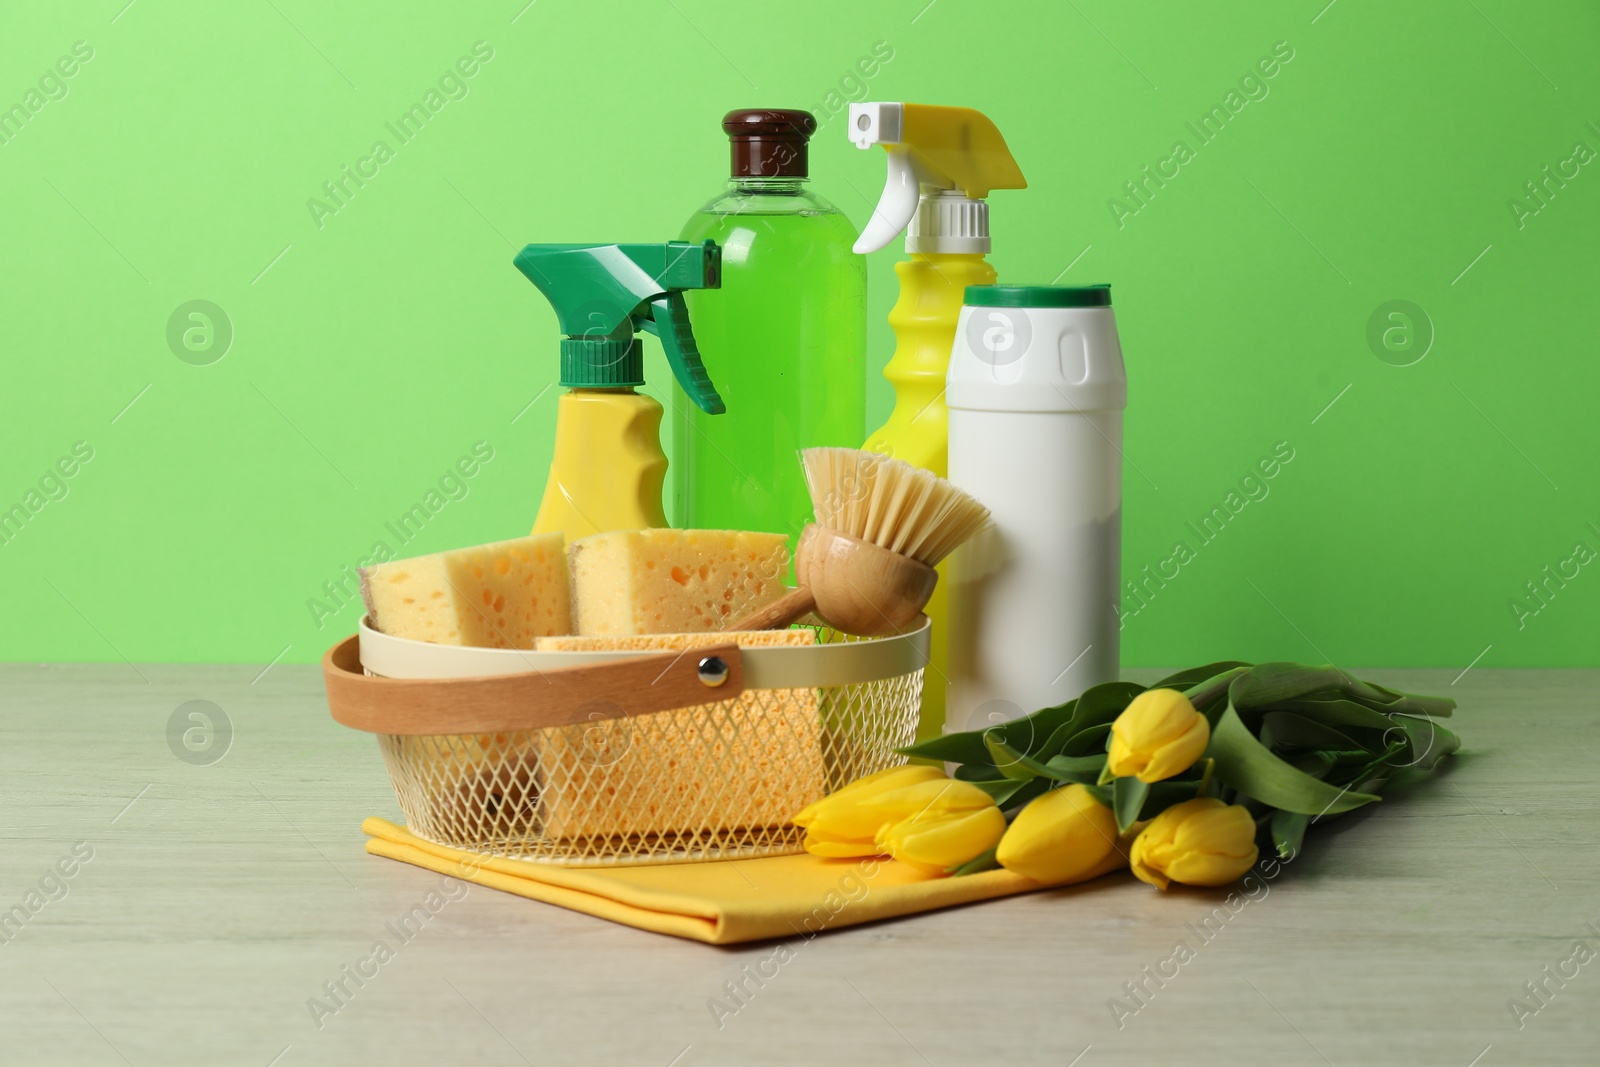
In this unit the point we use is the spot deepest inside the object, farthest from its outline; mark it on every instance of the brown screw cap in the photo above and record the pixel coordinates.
(768, 142)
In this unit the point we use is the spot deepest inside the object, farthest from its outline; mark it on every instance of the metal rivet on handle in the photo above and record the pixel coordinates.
(713, 671)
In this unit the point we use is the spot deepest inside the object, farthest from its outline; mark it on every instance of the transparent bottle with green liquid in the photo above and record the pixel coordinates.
(784, 338)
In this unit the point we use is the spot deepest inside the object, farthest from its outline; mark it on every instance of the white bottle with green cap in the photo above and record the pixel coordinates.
(1036, 391)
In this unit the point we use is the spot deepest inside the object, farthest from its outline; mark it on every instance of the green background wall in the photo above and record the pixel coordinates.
(371, 351)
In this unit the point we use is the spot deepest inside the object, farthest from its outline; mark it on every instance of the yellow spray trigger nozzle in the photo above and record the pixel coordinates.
(930, 148)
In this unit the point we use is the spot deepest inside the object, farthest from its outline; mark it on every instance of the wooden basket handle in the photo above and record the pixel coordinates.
(530, 700)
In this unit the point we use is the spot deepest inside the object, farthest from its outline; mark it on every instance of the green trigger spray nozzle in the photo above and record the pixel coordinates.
(604, 293)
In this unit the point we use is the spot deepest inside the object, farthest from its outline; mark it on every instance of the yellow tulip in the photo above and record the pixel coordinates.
(937, 842)
(840, 812)
(915, 810)
(1199, 842)
(1157, 736)
(1059, 837)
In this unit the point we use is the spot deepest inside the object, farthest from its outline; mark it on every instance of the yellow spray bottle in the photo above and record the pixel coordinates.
(608, 465)
(943, 162)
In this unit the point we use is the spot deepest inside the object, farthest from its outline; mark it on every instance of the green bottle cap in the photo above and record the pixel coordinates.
(601, 364)
(1038, 296)
(603, 293)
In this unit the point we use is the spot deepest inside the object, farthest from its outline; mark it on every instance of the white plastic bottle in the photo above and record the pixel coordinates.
(1036, 392)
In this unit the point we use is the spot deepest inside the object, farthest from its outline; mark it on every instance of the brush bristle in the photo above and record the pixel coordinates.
(890, 503)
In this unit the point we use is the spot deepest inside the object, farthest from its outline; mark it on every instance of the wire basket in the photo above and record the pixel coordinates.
(614, 758)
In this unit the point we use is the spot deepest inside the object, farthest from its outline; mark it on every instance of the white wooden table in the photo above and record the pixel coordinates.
(220, 898)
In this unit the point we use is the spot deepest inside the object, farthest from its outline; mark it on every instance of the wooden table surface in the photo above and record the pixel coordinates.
(217, 898)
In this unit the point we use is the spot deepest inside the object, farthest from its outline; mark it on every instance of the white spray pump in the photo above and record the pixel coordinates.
(943, 162)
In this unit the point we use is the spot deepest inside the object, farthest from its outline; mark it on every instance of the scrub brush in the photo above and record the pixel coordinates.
(866, 566)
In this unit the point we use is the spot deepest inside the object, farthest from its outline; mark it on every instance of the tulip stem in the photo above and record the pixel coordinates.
(984, 861)
(1205, 778)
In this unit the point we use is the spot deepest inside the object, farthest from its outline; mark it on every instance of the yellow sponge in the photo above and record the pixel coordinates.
(673, 581)
(749, 762)
(500, 595)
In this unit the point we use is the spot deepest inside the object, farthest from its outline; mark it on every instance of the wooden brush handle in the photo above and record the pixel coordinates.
(781, 613)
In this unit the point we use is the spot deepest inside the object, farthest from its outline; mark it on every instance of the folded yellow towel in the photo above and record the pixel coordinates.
(722, 902)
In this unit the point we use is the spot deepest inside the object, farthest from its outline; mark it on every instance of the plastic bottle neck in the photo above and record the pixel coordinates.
(949, 221)
(768, 186)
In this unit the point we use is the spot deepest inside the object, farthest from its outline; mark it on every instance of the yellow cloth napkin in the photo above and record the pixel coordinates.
(723, 902)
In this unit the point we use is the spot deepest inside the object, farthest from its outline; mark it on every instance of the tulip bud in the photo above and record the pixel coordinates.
(836, 812)
(1199, 842)
(857, 820)
(1059, 837)
(937, 841)
(1158, 735)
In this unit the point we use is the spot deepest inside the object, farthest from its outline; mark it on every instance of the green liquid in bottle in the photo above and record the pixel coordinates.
(784, 339)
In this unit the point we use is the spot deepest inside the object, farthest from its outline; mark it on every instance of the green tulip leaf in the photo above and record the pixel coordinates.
(1128, 795)
(1009, 761)
(1015, 765)
(1056, 742)
(1093, 741)
(1208, 695)
(1032, 729)
(1096, 709)
(1268, 684)
(1338, 712)
(1397, 754)
(1009, 793)
(1316, 764)
(1163, 795)
(999, 789)
(989, 779)
(1029, 732)
(965, 747)
(1283, 729)
(1428, 741)
(1101, 704)
(1085, 769)
(1374, 771)
(1374, 776)
(1195, 675)
(1394, 702)
(971, 746)
(1374, 782)
(1247, 765)
(1029, 791)
(1288, 830)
